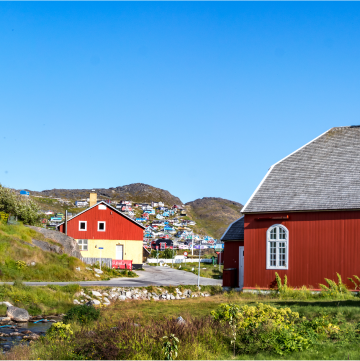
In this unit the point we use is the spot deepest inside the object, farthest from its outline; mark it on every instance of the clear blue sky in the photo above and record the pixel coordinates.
(196, 98)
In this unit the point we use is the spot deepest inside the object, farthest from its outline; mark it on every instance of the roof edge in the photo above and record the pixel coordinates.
(272, 167)
(230, 227)
(108, 205)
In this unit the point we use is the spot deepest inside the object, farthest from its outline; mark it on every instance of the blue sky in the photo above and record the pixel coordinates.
(198, 98)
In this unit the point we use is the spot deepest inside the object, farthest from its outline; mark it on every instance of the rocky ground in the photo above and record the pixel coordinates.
(122, 293)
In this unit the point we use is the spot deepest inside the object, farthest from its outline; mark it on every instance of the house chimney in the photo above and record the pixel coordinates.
(93, 198)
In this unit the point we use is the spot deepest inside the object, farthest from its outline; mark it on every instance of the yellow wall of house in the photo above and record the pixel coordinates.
(132, 250)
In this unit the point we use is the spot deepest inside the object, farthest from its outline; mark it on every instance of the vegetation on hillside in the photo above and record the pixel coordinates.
(24, 208)
(136, 192)
(17, 253)
(213, 215)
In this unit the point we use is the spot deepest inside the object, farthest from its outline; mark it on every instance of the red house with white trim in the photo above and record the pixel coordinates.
(303, 220)
(104, 227)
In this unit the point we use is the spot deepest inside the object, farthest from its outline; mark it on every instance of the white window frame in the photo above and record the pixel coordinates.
(277, 240)
(98, 228)
(161, 246)
(82, 243)
(83, 230)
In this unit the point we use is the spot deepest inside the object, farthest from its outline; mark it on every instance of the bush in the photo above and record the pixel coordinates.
(82, 313)
(59, 330)
(263, 327)
(15, 204)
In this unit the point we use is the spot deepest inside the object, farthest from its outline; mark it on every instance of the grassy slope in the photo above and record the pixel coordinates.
(213, 215)
(15, 245)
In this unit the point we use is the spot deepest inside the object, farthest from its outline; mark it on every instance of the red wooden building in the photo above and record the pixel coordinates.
(303, 220)
(104, 227)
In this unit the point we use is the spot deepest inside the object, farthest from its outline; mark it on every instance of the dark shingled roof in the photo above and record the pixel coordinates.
(322, 175)
(235, 231)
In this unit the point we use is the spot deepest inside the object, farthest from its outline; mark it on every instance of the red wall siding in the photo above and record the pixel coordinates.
(230, 255)
(118, 227)
(320, 244)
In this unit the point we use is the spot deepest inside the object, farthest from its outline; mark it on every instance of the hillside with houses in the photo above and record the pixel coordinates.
(198, 223)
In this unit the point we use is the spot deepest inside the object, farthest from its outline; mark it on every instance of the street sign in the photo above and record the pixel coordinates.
(185, 253)
(101, 247)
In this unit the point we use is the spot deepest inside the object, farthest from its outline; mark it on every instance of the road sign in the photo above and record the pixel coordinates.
(185, 253)
(101, 247)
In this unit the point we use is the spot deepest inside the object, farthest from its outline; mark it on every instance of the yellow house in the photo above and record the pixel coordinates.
(102, 230)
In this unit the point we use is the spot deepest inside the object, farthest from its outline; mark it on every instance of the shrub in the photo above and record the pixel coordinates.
(82, 313)
(15, 204)
(21, 265)
(263, 327)
(59, 330)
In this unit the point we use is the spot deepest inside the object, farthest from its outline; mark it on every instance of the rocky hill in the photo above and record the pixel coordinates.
(136, 192)
(213, 215)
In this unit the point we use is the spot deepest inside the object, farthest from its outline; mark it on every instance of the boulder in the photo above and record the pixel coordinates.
(105, 294)
(5, 319)
(97, 275)
(128, 294)
(99, 271)
(106, 300)
(90, 303)
(15, 334)
(32, 337)
(69, 245)
(96, 293)
(172, 297)
(180, 321)
(122, 298)
(76, 302)
(17, 314)
(96, 302)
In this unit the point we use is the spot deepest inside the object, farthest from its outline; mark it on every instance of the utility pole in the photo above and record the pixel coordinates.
(199, 266)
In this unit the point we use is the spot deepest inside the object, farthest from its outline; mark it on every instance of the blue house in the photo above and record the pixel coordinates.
(166, 214)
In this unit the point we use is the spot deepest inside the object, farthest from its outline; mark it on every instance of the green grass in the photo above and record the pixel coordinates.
(206, 341)
(16, 247)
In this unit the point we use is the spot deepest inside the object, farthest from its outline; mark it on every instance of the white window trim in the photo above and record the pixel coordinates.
(268, 240)
(101, 230)
(83, 230)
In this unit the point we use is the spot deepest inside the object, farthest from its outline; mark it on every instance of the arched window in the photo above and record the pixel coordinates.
(277, 247)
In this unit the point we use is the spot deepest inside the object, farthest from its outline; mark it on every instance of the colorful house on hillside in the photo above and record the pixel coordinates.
(303, 220)
(104, 226)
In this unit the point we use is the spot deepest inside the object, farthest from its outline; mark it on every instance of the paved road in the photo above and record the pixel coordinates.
(156, 276)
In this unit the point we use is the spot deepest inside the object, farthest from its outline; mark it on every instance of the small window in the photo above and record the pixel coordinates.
(101, 226)
(277, 247)
(82, 225)
(83, 244)
(162, 245)
(102, 206)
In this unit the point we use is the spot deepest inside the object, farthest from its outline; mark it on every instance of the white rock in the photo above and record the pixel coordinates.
(206, 294)
(78, 268)
(106, 300)
(96, 293)
(122, 298)
(33, 263)
(113, 295)
(172, 297)
(98, 270)
(5, 319)
(202, 294)
(105, 294)
(88, 268)
(97, 276)
(128, 294)
(6, 303)
(177, 297)
(145, 291)
(76, 302)
(168, 297)
(96, 302)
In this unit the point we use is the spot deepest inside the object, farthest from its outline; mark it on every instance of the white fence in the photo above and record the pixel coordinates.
(178, 260)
